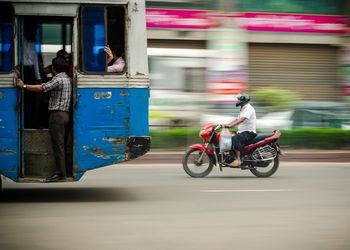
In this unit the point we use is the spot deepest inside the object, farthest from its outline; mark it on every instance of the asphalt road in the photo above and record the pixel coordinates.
(157, 206)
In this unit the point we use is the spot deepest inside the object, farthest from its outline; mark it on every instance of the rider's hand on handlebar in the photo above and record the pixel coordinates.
(219, 126)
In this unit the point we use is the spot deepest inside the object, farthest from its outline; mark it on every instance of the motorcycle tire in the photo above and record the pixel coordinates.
(196, 169)
(258, 173)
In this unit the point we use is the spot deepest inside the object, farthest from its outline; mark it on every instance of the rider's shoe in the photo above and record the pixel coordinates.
(236, 163)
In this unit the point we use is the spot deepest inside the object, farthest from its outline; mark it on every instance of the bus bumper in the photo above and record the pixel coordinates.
(137, 146)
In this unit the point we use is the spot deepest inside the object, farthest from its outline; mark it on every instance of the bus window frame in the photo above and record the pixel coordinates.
(14, 33)
(81, 54)
(63, 22)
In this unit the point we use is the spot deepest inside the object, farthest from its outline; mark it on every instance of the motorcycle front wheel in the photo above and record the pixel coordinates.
(195, 168)
(267, 171)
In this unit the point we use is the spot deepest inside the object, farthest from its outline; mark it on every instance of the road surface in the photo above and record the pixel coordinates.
(157, 206)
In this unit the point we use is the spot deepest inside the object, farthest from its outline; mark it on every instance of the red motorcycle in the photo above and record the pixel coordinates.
(261, 156)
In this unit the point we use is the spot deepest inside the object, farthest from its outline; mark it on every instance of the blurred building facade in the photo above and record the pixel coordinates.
(299, 45)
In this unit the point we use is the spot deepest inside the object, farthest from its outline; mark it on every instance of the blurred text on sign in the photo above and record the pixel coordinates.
(273, 22)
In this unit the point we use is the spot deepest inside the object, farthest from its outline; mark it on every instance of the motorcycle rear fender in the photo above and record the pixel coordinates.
(201, 147)
(278, 148)
(272, 139)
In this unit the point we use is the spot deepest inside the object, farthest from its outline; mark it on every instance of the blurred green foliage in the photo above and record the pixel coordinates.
(160, 115)
(322, 138)
(316, 138)
(274, 98)
(174, 138)
(329, 7)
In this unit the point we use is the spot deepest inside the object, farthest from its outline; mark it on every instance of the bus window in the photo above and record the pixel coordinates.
(6, 36)
(55, 36)
(101, 26)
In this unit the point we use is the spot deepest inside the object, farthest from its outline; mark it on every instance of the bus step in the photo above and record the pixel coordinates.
(38, 163)
(34, 179)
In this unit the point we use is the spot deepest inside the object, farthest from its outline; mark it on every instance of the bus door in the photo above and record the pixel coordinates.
(9, 144)
(101, 110)
(48, 35)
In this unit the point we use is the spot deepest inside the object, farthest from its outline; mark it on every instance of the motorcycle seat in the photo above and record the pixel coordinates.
(260, 137)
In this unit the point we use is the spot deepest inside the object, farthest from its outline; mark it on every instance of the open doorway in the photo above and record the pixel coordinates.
(40, 40)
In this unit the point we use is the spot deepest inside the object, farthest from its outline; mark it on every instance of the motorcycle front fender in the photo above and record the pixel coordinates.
(201, 147)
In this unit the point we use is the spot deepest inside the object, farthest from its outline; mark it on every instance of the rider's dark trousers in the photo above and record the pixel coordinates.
(241, 139)
(59, 127)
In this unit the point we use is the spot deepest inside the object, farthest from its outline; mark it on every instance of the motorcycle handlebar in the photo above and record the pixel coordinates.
(219, 126)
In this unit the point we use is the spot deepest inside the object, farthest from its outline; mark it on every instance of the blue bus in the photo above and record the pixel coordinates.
(109, 110)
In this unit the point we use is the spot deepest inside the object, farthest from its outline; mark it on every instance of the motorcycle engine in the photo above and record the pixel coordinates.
(229, 159)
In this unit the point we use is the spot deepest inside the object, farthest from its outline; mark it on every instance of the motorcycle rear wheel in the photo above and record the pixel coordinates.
(266, 171)
(194, 168)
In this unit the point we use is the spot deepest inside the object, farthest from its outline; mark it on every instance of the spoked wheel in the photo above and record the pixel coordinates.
(195, 166)
(267, 171)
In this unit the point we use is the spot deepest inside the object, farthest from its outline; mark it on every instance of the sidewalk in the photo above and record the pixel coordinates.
(163, 156)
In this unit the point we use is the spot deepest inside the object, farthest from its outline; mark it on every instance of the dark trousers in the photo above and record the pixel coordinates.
(60, 132)
(241, 139)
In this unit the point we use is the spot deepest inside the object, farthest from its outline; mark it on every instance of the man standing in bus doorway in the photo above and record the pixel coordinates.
(59, 121)
(31, 73)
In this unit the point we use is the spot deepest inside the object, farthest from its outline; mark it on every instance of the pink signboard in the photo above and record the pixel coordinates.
(178, 19)
(293, 23)
(203, 19)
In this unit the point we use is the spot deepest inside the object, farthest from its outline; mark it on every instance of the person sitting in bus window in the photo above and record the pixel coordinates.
(115, 60)
(62, 54)
(59, 121)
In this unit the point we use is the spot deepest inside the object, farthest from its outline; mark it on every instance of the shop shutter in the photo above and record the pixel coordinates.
(309, 70)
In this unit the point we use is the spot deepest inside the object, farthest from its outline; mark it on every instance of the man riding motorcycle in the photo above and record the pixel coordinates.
(260, 153)
(246, 123)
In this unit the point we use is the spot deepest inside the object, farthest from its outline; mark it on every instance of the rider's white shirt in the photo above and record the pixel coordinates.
(249, 124)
